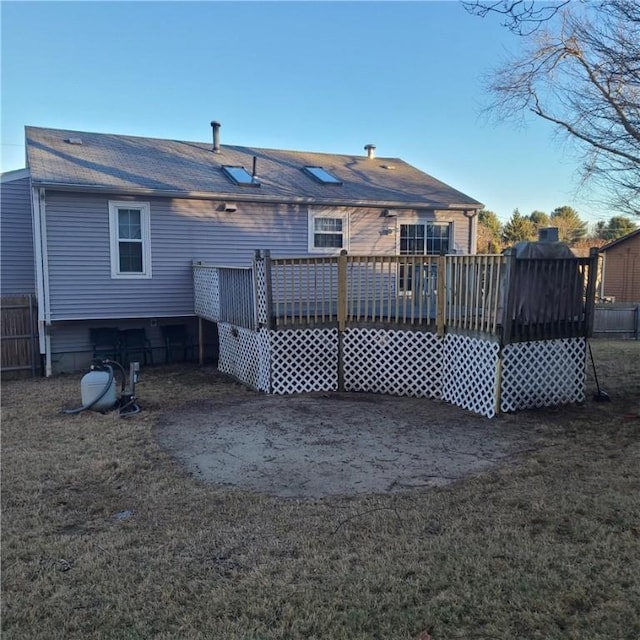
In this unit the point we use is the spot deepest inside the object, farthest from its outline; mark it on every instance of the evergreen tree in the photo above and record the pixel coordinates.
(540, 219)
(571, 228)
(518, 228)
(617, 227)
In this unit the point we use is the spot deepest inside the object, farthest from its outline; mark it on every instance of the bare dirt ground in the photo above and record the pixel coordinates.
(317, 445)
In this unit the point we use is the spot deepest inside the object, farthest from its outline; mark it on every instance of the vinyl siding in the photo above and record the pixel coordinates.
(182, 231)
(622, 271)
(16, 238)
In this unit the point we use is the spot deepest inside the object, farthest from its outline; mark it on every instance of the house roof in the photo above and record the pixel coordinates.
(130, 164)
(618, 241)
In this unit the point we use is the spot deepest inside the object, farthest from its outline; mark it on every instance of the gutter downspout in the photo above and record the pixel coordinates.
(42, 274)
(472, 216)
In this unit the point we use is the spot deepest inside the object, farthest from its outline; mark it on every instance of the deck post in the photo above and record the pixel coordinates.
(508, 296)
(341, 313)
(342, 290)
(268, 290)
(498, 389)
(590, 297)
(441, 291)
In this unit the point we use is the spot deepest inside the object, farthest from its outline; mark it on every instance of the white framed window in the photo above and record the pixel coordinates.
(425, 238)
(328, 232)
(422, 238)
(130, 232)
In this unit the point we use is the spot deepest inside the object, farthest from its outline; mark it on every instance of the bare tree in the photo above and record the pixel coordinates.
(580, 71)
(520, 16)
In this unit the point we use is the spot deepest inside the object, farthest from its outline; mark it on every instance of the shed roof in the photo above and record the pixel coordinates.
(130, 164)
(618, 241)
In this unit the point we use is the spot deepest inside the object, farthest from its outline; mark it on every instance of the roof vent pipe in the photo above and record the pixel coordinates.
(371, 151)
(216, 136)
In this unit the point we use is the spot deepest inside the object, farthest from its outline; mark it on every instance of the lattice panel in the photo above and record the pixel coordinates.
(244, 354)
(541, 374)
(404, 363)
(304, 360)
(206, 292)
(469, 376)
(261, 290)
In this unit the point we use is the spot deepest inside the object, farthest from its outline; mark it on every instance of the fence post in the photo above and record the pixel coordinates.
(441, 290)
(590, 298)
(508, 297)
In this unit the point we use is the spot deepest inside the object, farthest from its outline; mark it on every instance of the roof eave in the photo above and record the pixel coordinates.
(618, 241)
(253, 197)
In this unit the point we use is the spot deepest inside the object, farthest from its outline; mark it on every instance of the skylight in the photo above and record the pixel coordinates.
(321, 175)
(240, 176)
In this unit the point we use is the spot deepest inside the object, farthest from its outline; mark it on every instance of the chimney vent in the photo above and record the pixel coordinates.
(548, 234)
(371, 151)
(216, 136)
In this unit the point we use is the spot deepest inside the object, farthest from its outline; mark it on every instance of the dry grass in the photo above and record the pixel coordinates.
(103, 536)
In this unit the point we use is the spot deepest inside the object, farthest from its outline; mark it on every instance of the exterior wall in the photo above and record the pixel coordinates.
(622, 271)
(16, 237)
(182, 231)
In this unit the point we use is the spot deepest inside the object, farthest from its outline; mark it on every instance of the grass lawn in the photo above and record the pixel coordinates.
(105, 537)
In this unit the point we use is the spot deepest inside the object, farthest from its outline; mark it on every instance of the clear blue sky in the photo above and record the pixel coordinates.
(317, 76)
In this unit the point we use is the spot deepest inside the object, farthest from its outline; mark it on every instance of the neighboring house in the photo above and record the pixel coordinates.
(17, 276)
(621, 268)
(118, 220)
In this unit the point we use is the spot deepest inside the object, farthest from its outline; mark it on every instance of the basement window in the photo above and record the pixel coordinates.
(321, 175)
(240, 176)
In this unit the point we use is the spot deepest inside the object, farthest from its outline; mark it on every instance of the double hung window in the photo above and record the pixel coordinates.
(130, 230)
(328, 232)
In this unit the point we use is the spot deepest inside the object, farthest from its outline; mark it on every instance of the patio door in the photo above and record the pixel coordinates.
(423, 238)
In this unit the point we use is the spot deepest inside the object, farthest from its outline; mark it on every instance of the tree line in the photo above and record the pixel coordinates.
(494, 236)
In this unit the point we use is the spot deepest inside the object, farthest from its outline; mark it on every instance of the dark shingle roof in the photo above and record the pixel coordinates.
(133, 164)
(615, 243)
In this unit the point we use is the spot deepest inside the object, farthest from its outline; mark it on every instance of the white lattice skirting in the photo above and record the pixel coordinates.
(469, 376)
(542, 374)
(304, 360)
(458, 369)
(244, 354)
(403, 363)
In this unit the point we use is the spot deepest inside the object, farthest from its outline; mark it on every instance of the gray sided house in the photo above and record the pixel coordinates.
(105, 228)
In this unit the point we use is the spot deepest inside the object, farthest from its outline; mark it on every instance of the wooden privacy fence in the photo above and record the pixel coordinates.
(18, 342)
(617, 320)
(473, 294)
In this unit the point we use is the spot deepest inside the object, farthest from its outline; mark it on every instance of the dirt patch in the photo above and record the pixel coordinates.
(317, 445)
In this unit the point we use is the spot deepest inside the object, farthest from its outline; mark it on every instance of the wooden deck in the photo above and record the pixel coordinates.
(471, 295)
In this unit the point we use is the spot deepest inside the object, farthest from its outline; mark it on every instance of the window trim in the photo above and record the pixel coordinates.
(145, 226)
(313, 214)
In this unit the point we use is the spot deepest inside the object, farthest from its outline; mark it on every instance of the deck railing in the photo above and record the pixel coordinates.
(542, 298)
(474, 288)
